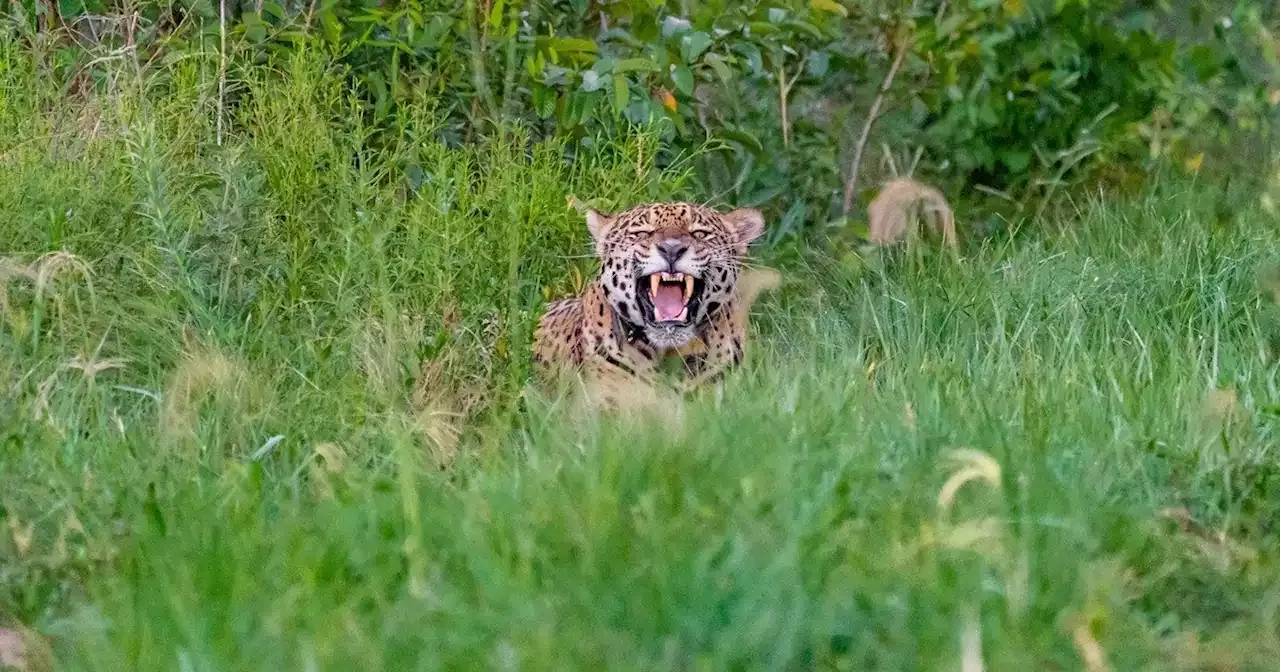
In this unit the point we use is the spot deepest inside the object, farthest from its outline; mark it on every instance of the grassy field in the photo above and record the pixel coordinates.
(267, 407)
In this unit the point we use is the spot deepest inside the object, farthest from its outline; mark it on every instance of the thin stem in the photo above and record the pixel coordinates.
(222, 63)
(784, 91)
(915, 161)
(509, 77)
(852, 183)
(479, 75)
(782, 107)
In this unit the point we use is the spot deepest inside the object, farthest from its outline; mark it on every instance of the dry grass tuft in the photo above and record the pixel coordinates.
(971, 641)
(53, 265)
(1222, 407)
(1221, 411)
(1239, 646)
(41, 274)
(1214, 546)
(381, 348)
(203, 372)
(1269, 281)
(24, 650)
(1108, 586)
(328, 462)
(91, 366)
(986, 536)
(901, 204)
(21, 535)
(438, 407)
(632, 399)
(752, 283)
(972, 465)
(13, 650)
(438, 403)
(1087, 646)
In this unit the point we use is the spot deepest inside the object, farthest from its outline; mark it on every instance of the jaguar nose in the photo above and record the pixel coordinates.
(671, 249)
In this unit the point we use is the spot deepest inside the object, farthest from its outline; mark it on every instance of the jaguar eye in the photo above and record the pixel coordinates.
(699, 235)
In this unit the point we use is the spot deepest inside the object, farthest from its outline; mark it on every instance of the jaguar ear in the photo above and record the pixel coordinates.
(747, 224)
(598, 224)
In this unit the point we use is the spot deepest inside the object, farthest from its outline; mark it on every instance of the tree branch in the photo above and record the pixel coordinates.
(851, 182)
(784, 91)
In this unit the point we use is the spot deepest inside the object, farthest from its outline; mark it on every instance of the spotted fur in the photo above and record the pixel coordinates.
(610, 331)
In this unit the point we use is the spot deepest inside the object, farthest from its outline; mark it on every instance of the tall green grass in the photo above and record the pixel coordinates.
(268, 407)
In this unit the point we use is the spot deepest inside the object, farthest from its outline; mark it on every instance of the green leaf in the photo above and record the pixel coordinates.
(432, 33)
(829, 6)
(791, 219)
(818, 64)
(745, 139)
(1016, 161)
(765, 192)
(635, 65)
(805, 27)
(274, 9)
(154, 514)
(683, 78)
(693, 44)
(718, 64)
(622, 35)
(678, 119)
(987, 114)
(581, 105)
(377, 86)
(571, 45)
(534, 64)
(255, 30)
(751, 54)
(951, 23)
(857, 227)
(495, 15)
(544, 101)
(674, 25)
(1013, 8)
(621, 93)
(604, 65)
(591, 81)
(332, 27)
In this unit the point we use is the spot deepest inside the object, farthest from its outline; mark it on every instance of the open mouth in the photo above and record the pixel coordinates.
(670, 295)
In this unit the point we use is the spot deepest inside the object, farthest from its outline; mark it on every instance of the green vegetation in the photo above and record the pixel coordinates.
(801, 107)
(267, 403)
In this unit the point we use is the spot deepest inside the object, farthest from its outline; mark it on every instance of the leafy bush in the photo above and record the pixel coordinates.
(770, 101)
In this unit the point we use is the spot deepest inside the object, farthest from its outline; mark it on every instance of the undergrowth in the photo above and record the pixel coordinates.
(268, 406)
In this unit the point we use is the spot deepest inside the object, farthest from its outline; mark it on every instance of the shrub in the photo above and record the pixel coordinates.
(768, 100)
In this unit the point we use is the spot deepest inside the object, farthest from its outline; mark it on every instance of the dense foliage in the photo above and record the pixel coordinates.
(1002, 103)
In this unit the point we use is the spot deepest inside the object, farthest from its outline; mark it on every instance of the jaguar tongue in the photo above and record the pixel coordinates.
(668, 302)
